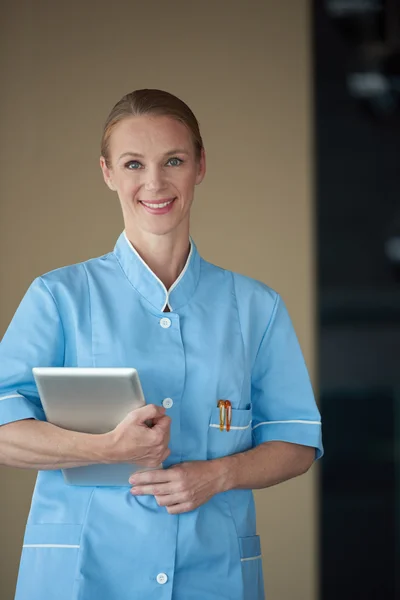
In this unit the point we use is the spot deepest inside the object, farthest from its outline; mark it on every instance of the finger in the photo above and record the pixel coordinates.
(178, 509)
(158, 489)
(165, 455)
(150, 411)
(163, 422)
(161, 418)
(168, 499)
(150, 477)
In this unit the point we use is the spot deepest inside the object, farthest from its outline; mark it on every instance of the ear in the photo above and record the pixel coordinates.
(107, 175)
(201, 169)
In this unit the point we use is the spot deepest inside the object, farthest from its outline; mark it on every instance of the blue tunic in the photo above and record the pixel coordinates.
(227, 336)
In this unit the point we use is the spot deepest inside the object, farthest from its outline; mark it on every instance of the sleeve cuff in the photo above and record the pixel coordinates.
(305, 433)
(15, 407)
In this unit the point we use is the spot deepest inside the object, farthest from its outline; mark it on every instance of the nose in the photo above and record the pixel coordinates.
(154, 179)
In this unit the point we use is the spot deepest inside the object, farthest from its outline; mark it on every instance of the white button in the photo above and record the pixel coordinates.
(162, 578)
(165, 323)
(167, 403)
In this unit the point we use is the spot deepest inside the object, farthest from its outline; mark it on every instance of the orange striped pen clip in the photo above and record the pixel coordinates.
(228, 414)
(221, 406)
(225, 414)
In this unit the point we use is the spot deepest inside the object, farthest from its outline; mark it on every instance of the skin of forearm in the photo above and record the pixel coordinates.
(266, 465)
(31, 444)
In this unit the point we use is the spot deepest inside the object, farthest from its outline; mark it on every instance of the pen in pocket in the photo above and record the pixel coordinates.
(225, 414)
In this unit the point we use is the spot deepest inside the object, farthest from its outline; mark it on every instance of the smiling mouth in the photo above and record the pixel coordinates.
(157, 205)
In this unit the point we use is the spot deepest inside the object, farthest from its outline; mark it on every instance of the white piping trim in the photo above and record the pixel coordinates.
(232, 426)
(167, 292)
(278, 422)
(50, 546)
(11, 396)
(185, 268)
(251, 558)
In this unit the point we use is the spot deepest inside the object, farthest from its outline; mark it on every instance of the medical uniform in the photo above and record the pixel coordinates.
(227, 337)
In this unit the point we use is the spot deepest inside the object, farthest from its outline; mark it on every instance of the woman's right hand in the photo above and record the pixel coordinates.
(134, 441)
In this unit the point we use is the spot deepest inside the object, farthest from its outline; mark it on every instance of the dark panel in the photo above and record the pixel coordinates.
(357, 129)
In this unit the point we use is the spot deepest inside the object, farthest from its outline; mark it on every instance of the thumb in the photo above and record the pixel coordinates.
(163, 423)
(148, 412)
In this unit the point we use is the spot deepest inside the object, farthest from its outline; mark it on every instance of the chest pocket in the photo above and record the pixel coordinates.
(238, 439)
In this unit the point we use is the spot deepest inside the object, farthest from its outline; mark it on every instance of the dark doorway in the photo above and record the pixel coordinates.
(357, 158)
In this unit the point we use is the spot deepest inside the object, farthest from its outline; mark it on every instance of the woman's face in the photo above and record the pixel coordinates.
(154, 171)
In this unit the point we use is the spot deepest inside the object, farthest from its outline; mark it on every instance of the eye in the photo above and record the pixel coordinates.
(178, 161)
(135, 164)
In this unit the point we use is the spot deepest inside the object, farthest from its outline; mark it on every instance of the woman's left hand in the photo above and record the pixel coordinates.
(180, 488)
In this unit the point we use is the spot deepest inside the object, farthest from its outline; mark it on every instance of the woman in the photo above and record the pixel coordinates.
(197, 334)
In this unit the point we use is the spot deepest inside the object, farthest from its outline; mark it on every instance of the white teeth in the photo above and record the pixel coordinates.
(163, 205)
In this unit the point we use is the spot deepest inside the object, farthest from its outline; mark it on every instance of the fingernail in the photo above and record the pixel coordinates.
(131, 480)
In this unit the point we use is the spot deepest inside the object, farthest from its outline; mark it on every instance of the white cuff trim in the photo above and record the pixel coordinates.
(251, 558)
(11, 396)
(293, 421)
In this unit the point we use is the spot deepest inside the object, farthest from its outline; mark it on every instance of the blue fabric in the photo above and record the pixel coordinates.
(230, 338)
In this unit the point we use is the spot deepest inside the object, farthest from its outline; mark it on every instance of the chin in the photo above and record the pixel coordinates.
(163, 230)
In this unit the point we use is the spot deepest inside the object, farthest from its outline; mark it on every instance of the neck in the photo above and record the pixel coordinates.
(165, 255)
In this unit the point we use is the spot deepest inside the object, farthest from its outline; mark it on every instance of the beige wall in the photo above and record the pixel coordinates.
(244, 68)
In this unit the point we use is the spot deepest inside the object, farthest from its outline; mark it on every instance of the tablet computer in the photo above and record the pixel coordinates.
(91, 400)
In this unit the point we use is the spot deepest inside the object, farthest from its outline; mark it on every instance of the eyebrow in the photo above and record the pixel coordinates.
(170, 153)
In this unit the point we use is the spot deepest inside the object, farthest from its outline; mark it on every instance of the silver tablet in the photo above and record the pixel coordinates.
(90, 400)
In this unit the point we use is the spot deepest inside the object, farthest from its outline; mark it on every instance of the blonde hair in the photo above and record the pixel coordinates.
(150, 102)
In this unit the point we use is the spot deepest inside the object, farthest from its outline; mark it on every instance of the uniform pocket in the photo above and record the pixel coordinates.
(238, 439)
(250, 557)
(48, 561)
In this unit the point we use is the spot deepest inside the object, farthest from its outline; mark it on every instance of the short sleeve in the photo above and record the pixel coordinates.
(34, 338)
(283, 402)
